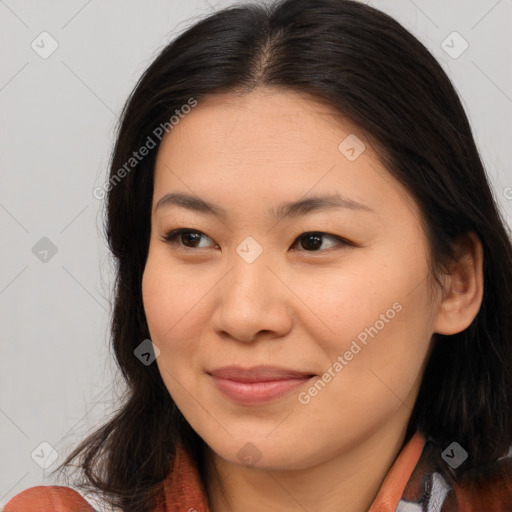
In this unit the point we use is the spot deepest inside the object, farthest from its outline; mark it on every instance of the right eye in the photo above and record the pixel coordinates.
(183, 236)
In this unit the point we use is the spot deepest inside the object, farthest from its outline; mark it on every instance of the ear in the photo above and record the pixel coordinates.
(464, 287)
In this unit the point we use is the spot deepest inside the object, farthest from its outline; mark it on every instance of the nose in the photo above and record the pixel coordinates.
(252, 303)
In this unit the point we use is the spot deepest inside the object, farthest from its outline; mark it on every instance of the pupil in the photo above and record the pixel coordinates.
(314, 246)
(186, 236)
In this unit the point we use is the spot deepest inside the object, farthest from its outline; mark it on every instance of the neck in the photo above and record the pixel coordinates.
(349, 480)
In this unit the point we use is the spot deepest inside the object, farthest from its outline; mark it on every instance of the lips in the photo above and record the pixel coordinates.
(258, 384)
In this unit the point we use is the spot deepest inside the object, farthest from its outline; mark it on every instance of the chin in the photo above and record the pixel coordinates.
(265, 454)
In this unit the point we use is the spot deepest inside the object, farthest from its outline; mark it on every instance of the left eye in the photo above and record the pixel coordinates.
(311, 241)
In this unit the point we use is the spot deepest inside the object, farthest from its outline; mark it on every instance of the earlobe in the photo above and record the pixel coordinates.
(464, 290)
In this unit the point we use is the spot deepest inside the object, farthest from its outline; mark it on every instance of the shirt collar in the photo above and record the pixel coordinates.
(184, 491)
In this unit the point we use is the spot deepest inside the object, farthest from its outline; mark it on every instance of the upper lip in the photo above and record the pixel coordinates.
(258, 373)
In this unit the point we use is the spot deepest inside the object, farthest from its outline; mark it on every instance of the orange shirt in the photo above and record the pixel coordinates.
(413, 483)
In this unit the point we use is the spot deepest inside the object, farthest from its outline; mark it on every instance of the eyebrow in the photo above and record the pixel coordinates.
(287, 209)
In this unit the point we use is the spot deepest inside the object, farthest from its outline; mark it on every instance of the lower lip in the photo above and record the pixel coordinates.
(252, 393)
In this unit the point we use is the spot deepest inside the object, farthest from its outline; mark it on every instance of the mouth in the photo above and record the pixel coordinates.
(257, 385)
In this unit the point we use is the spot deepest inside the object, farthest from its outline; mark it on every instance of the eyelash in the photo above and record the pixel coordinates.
(171, 236)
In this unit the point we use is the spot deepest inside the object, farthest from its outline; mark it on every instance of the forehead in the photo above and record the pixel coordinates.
(258, 126)
(269, 144)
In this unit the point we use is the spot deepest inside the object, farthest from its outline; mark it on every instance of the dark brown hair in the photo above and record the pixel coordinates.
(375, 74)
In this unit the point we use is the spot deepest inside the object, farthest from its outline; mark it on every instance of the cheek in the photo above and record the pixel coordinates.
(171, 298)
(378, 319)
(339, 305)
(175, 314)
(374, 371)
(163, 308)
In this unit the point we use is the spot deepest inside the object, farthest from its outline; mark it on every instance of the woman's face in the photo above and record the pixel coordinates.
(345, 322)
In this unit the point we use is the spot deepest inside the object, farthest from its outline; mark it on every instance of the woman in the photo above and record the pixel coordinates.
(265, 369)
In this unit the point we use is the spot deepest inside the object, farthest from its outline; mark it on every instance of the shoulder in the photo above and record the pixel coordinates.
(431, 486)
(49, 498)
(492, 492)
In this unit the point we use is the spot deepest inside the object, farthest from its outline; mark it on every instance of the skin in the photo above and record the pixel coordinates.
(293, 306)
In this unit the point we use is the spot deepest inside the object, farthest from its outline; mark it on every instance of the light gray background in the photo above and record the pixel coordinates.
(58, 117)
